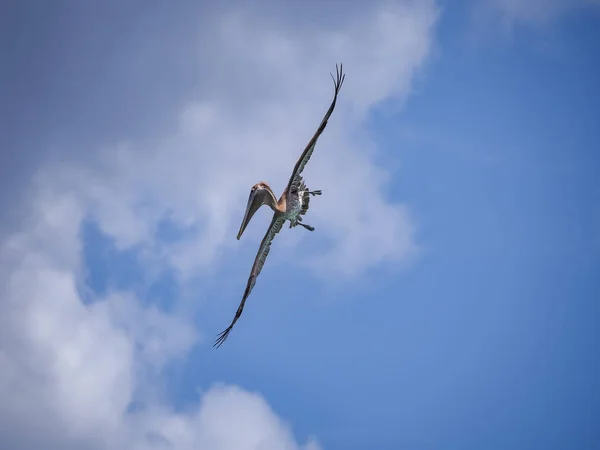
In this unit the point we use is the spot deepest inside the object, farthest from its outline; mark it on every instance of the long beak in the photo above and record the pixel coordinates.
(254, 202)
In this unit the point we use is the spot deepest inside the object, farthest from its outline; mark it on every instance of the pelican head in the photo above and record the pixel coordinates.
(260, 194)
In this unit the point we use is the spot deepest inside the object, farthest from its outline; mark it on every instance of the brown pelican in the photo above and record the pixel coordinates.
(292, 205)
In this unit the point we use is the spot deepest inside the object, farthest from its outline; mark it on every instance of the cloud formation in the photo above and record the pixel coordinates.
(258, 103)
(70, 370)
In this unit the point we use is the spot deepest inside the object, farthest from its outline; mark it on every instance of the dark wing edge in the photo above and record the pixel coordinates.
(259, 261)
(307, 153)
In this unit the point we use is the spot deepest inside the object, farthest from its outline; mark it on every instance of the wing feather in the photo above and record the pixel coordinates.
(308, 151)
(259, 262)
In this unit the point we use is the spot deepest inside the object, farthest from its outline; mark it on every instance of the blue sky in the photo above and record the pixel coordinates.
(446, 300)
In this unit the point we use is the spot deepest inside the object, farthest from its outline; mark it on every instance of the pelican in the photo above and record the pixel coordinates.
(291, 206)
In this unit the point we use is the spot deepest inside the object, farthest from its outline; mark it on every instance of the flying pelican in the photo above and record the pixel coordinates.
(292, 205)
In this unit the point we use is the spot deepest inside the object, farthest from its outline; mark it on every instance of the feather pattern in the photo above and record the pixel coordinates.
(259, 262)
(308, 151)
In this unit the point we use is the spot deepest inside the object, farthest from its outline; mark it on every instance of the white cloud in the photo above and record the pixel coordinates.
(69, 370)
(258, 104)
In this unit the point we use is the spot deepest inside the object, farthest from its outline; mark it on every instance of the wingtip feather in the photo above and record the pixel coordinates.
(221, 337)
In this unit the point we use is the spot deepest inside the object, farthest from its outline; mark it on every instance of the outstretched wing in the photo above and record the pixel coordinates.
(259, 261)
(308, 151)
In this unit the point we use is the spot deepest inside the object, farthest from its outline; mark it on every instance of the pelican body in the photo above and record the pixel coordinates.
(292, 205)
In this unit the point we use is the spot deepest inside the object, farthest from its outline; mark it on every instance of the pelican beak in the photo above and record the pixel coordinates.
(254, 202)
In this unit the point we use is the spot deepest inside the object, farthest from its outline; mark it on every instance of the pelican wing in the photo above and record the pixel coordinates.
(308, 151)
(259, 261)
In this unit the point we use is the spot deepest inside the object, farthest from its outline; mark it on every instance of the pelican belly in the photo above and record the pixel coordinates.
(297, 202)
(294, 205)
